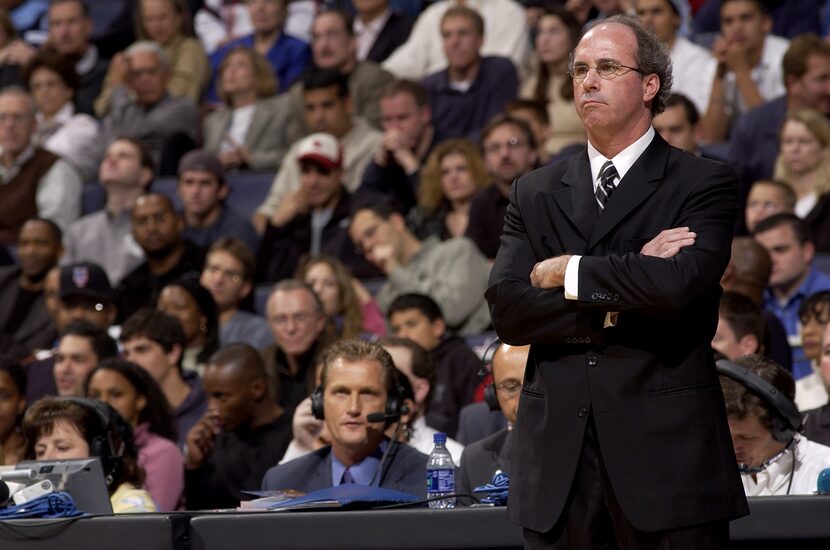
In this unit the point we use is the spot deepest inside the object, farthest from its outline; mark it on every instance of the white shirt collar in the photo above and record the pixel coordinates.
(623, 161)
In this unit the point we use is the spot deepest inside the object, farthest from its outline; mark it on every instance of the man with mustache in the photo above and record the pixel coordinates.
(509, 152)
(609, 268)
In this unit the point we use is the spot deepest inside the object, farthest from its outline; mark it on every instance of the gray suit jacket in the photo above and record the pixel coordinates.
(265, 140)
(480, 460)
(405, 470)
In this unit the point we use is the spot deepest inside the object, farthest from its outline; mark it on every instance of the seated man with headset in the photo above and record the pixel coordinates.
(358, 380)
(773, 457)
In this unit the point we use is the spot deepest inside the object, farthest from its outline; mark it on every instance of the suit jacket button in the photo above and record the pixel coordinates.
(582, 412)
(594, 296)
(587, 339)
(592, 360)
(616, 297)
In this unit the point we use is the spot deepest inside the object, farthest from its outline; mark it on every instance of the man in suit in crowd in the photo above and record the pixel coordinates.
(378, 29)
(358, 379)
(620, 392)
(481, 459)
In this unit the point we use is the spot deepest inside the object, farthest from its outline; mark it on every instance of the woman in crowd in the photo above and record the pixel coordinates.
(53, 82)
(193, 306)
(345, 300)
(166, 22)
(12, 406)
(64, 429)
(249, 131)
(804, 162)
(454, 171)
(557, 32)
(132, 392)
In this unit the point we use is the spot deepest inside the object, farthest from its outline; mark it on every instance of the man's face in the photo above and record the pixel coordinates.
(461, 41)
(331, 45)
(743, 23)
(617, 103)
(38, 249)
(320, 184)
(659, 16)
(326, 112)
(49, 91)
(156, 227)
(763, 201)
(201, 192)
(727, 343)
(122, 166)
(753, 443)
(69, 29)
(230, 396)
(370, 233)
(224, 279)
(413, 324)
(150, 356)
(17, 122)
(674, 126)
(507, 154)
(813, 88)
(812, 329)
(267, 16)
(400, 112)
(76, 307)
(509, 364)
(295, 320)
(354, 389)
(74, 360)
(147, 77)
(790, 260)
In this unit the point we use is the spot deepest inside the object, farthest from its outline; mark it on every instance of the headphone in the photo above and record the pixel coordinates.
(786, 420)
(101, 444)
(394, 401)
(490, 395)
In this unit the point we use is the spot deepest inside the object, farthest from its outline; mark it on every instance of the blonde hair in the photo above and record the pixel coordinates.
(349, 306)
(430, 192)
(818, 126)
(266, 80)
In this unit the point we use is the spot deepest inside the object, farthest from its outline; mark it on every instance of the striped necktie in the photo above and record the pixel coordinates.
(606, 184)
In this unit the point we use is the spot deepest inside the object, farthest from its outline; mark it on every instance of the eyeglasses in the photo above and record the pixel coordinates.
(605, 69)
(512, 144)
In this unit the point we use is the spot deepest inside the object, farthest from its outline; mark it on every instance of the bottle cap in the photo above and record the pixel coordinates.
(439, 437)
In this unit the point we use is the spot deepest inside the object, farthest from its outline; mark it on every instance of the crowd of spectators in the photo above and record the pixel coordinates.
(227, 339)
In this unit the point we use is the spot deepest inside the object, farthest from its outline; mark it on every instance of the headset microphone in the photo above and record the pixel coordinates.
(384, 417)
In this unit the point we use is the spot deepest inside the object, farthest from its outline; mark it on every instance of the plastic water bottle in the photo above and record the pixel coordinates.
(440, 474)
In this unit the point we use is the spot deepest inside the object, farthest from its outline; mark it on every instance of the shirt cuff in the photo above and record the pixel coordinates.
(572, 278)
(611, 319)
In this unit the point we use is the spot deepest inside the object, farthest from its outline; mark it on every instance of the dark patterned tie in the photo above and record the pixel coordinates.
(606, 184)
(347, 477)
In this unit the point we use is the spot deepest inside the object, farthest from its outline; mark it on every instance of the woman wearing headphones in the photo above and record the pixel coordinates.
(68, 428)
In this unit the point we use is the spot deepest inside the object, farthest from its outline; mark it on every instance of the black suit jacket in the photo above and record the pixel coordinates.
(393, 34)
(405, 470)
(649, 382)
(36, 331)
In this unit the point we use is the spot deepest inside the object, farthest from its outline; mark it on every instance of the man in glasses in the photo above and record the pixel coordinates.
(609, 268)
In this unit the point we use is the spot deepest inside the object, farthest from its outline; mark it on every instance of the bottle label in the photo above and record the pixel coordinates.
(441, 480)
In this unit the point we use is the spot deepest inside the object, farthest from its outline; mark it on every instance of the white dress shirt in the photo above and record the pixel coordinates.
(810, 459)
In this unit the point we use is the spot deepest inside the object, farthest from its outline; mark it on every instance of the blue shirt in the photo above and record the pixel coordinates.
(363, 471)
(289, 57)
(816, 281)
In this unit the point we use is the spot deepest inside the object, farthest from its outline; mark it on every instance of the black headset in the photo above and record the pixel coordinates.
(490, 395)
(394, 402)
(101, 445)
(786, 420)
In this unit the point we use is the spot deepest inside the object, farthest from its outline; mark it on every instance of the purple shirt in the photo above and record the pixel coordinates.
(164, 464)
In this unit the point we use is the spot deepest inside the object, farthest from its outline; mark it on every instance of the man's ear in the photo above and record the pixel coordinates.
(439, 327)
(749, 344)
(259, 389)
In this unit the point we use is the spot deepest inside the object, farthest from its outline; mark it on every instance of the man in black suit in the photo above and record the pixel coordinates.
(378, 29)
(480, 460)
(358, 379)
(621, 433)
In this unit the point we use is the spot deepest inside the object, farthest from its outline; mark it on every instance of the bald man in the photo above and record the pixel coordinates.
(481, 459)
(158, 230)
(241, 434)
(748, 273)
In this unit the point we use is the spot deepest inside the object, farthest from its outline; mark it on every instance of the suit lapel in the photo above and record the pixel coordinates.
(258, 120)
(639, 183)
(576, 199)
